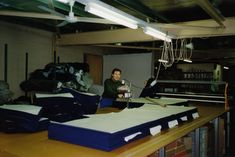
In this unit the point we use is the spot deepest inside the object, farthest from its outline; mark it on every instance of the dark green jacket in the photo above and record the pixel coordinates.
(110, 88)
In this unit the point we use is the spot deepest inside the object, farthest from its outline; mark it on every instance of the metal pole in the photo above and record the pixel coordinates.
(54, 56)
(26, 66)
(58, 59)
(26, 70)
(5, 61)
(162, 152)
(216, 127)
(197, 143)
(227, 131)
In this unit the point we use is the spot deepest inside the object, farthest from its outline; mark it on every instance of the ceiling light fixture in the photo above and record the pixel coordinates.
(226, 67)
(156, 33)
(108, 12)
(63, 1)
(113, 14)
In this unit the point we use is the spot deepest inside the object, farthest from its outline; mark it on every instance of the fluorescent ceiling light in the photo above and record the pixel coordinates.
(188, 60)
(156, 33)
(162, 61)
(63, 1)
(108, 12)
(226, 67)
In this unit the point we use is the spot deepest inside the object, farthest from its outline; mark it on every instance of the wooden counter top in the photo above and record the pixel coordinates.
(38, 144)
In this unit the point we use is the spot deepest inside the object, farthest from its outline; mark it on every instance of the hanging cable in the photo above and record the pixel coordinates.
(183, 49)
(178, 55)
(183, 53)
(191, 50)
(167, 57)
(158, 70)
(188, 53)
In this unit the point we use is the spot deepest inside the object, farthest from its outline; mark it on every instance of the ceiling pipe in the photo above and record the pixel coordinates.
(211, 10)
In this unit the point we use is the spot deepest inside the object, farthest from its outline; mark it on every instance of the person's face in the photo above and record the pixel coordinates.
(116, 75)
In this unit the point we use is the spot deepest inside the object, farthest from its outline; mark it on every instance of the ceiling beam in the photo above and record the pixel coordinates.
(211, 10)
(141, 9)
(202, 28)
(53, 17)
(220, 53)
(104, 37)
(30, 15)
(130, 47)
(159, 49)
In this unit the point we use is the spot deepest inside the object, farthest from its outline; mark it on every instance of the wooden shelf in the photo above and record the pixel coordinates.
(191, 82)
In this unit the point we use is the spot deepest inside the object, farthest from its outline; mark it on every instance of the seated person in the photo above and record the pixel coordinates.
(111, 85)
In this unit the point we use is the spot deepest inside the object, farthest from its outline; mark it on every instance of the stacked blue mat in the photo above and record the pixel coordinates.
(110, 131)
(22, 118)
(67, 105)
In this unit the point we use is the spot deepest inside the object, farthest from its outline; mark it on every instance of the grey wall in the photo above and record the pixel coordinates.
(20, 40)
(38, 44)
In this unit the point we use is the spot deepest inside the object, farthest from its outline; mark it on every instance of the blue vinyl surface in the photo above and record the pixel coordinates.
(105, 140)
(18, 121)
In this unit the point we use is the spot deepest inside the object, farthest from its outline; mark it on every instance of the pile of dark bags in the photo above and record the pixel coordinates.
(5, 93)
(53, 76)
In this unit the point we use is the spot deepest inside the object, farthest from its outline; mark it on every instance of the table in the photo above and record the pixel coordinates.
(38, 144)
